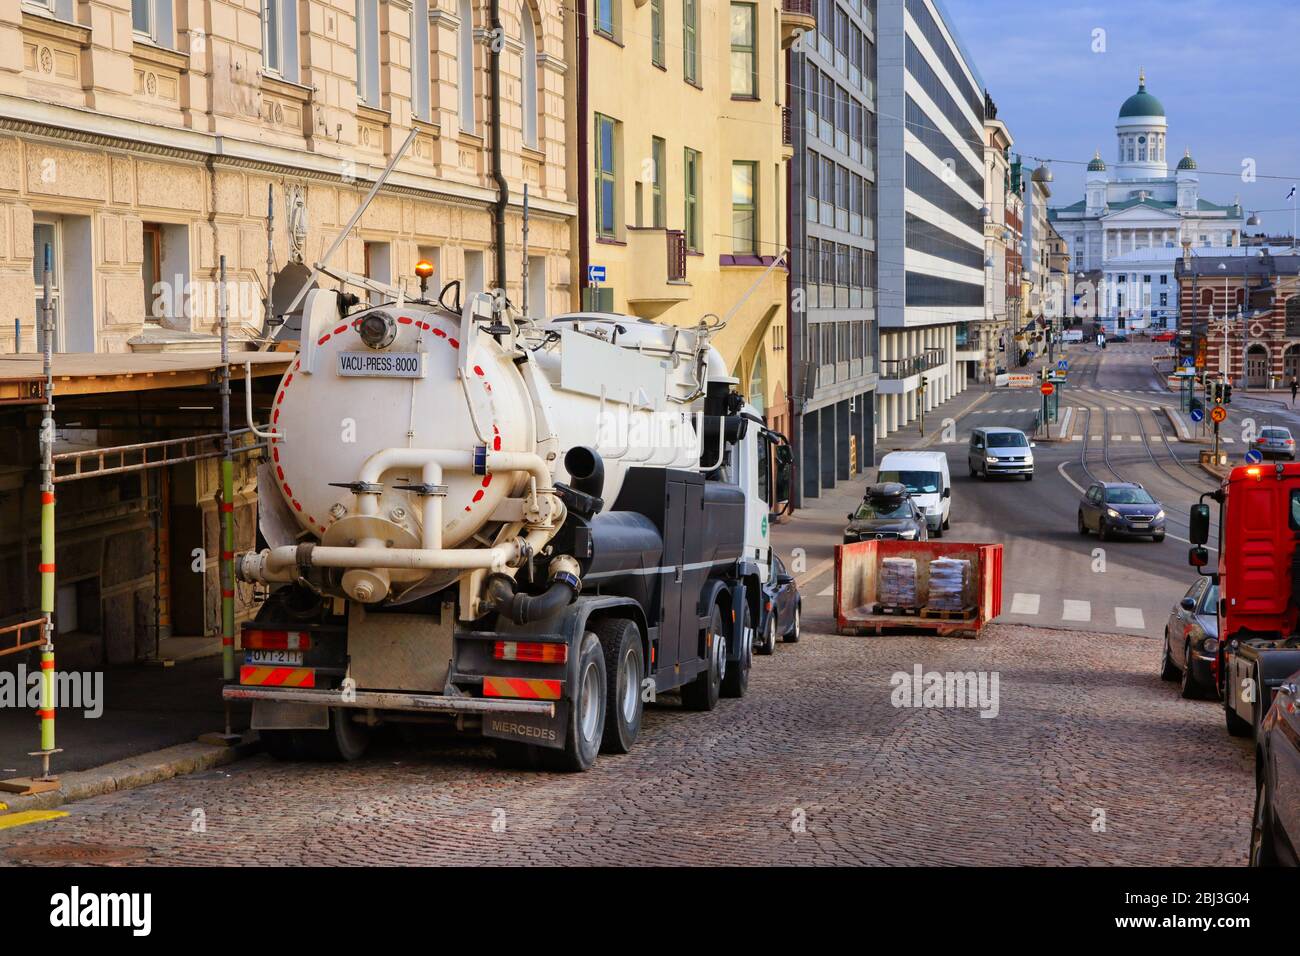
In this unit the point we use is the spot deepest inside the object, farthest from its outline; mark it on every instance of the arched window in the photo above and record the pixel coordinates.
(758, 384)
(529, 74)
(465, 56)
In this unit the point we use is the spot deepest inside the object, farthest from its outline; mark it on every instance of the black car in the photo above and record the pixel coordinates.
(1121, 509)
(782, 608)
(1275, 832)
(1191, 644)
(886, 513)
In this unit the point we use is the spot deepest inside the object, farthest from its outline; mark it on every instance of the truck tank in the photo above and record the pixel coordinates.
(414, 436)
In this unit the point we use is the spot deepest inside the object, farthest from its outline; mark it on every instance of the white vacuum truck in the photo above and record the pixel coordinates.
(522, 530)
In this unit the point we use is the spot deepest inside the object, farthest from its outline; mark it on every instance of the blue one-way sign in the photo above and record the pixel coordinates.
(595, 274)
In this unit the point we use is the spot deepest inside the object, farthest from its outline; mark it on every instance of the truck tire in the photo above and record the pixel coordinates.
(702, 693)
(792, 635)
(620, 641)
(586, 724)
(735, 676)
(769, 637)
(1236, 726)
(344, 741)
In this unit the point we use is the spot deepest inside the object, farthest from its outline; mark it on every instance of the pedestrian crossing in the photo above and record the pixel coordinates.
(1073, 611)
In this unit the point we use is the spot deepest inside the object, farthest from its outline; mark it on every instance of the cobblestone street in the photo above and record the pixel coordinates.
(814, 766)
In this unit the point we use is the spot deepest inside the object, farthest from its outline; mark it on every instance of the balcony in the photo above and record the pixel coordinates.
(656, 279)
(797, 18)
(787, 133)
(899, 370)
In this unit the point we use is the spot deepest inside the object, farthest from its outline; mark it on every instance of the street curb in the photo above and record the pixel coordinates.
(135, 772)
(1181, 427)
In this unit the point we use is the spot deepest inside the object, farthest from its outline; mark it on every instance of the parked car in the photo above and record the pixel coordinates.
(1000, 451)
(1275, 831)
(1191, 644)
(886, 513)
(925, 476)
(1275, 441)
(1166, 336)
(1120, 336)
(783, 607)
(1121, 509)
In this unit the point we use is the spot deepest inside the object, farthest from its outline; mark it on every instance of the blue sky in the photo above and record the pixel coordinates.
(1228, 73)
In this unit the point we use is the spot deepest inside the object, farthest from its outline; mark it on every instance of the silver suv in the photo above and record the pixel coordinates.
(1000, 451)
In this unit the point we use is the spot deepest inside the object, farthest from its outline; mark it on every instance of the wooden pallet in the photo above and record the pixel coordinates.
(896, 610)
(965, 614)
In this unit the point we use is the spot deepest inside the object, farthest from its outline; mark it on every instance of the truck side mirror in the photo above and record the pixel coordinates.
(947, 492)
(784, 456)
(1198, 557)
(1199, 525)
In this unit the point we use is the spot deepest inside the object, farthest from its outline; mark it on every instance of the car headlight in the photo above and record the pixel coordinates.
(1160, 515)
(991, 460)
(1210, 646)
(908, 535)
(1112, 512)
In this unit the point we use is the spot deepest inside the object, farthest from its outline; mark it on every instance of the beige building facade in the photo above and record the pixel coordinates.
(139, 138)
(681, 163)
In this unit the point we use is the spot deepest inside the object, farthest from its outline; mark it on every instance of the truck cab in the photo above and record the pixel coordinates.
(1258, 574)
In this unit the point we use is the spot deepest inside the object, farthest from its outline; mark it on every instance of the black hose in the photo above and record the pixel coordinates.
(586, 470)
(526, 608)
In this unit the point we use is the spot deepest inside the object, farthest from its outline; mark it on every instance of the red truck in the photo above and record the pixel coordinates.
(1258, 575)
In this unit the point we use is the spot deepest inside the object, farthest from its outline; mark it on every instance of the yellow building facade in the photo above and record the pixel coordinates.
(138, 139)
(678, 154)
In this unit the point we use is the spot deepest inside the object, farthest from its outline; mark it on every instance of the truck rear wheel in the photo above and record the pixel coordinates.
(620, 640)
(703, 692)
(735, 676)
(586, 724)
(345, 740)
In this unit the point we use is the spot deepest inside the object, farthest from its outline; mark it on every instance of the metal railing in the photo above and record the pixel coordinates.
(898, 369)
(97, 462)
(17, 630)
(676, 255)
(787, 127)
(798, 7)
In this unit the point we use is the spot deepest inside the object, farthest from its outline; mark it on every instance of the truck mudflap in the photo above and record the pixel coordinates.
(395, 700)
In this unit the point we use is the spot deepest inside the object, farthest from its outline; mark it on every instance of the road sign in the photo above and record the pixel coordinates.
(1253, 457)
(1047, 388)
(1189, 362)
(595, 274)
(1063, 365)
(1198, 415)
(1218, 414)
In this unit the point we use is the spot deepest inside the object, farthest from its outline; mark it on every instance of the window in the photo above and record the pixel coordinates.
(606, 177)
(368, 52)
(280, 38)
(151, 269)
(165, 271)
(659, 217)
(1293, 317)
(691, 190)
(657, 32)
(151, 20)
(607, 18)
(691, 41)
(420, 54)
(744, 59)
(744, 208)
(465, 57)
(529, 75)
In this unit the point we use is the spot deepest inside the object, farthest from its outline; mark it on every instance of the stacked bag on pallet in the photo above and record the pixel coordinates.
(949, 580)
(898, 582)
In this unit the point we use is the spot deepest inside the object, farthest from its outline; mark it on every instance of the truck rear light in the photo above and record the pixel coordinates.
(276, 640)
(535, 652)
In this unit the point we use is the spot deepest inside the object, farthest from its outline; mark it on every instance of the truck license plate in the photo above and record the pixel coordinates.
(287, 658)
(381, 364)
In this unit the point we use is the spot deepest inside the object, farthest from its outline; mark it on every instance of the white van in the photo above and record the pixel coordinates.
(1072, 336)
(925, 475)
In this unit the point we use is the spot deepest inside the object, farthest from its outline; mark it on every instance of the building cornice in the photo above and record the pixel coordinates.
(97, 130)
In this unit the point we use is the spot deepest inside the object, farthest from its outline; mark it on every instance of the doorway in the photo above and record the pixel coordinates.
(1257, 367)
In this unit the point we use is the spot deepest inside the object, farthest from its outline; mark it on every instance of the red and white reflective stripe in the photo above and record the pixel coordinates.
(533, 651)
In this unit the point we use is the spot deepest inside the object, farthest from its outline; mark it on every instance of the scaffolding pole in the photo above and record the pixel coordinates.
(46, 711)
(227, 564)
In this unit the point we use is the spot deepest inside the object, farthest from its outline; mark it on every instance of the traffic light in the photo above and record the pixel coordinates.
(1226, 394)
(924, 382)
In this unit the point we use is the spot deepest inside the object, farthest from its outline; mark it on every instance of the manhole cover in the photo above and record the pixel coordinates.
(75, 853)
